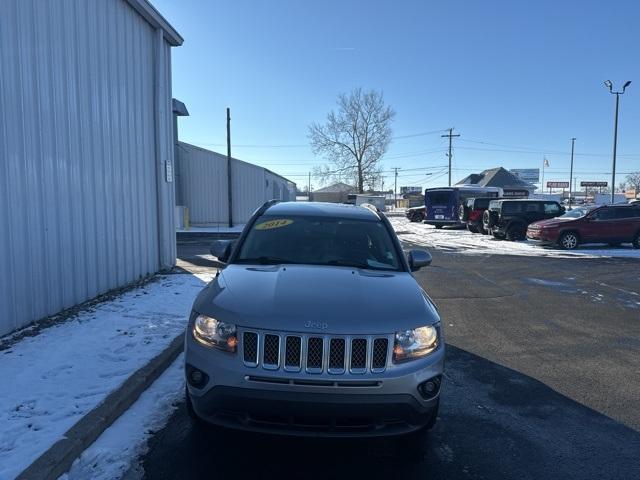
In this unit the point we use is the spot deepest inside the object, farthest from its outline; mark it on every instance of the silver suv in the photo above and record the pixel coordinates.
(315, 326)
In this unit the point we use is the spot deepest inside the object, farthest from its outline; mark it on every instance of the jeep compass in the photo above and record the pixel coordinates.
(315, 326)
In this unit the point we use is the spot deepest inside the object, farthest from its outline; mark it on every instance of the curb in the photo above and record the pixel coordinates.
(57, 460)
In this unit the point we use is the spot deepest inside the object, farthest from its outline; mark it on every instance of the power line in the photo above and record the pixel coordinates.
(306, 145)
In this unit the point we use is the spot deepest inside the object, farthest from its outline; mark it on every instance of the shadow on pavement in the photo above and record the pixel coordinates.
(494, 423)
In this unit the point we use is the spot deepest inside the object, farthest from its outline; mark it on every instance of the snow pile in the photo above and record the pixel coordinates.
(463, 241)
(114, 452)
(48, 382)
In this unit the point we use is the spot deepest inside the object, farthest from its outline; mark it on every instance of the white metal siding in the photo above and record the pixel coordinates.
(82, 135)
(203, 177)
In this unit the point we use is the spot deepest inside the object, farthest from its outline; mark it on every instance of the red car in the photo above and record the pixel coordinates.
(612, 224)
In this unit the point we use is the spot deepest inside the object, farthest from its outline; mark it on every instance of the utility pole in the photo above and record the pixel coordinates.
(450, 135)
(573, 143)
(609, 85)
(309, 189)
(229, 196)
(395, 188)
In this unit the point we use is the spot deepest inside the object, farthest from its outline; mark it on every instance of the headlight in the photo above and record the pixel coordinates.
(416, 343)
(214, 333)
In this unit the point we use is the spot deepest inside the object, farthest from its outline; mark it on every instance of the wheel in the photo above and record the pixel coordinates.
(516, 233)
(568, 240)
(636, 241)
(481, 229)
(472, 228)
(195, 419)
(497, 235)
(413, 218)
(438, 227)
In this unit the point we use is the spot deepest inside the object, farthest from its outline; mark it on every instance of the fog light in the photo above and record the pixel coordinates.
(430, 388)
(196, 378)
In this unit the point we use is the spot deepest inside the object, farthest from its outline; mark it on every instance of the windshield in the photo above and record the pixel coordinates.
(442, 197)
(575, 213)
(314, 240)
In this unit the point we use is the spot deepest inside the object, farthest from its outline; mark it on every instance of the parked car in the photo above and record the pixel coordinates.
(416, 214)
(510, 218)
(471, 212)
(316, 326)
(612, 224)
(441, 204)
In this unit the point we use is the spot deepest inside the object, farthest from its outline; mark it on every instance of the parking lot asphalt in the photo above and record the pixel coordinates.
(542, 381)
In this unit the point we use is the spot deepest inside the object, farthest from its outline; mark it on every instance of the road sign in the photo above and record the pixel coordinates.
(531, 175)
(557, 184)
(594, 184)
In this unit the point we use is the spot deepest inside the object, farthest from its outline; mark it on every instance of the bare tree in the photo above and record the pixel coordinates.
(633, 181)
(354, 139)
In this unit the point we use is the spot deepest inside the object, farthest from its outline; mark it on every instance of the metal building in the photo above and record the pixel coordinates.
(202, 181)
(86, 151)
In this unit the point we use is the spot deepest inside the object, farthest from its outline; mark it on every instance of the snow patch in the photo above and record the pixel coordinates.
(114, 452)
(465, 242)
(48, 382)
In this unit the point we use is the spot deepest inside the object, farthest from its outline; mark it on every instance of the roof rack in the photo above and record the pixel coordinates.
(372, 207)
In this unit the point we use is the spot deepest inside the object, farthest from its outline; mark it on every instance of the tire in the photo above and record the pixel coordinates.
(517, 232)
(438, 227)
(497, 236)
(487, 220)
(569, 241)
(197, 422)
(472, 228)
(481, 229)
(412, 444)
(414, 218)
(463, 213)
(636, 241)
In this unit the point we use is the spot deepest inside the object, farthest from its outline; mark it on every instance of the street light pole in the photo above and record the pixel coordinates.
(608, 84)
(573, 143)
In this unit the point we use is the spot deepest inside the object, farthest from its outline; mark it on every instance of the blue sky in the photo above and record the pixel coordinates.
(516, 79)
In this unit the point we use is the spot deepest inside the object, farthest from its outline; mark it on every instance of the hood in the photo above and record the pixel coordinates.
(550, 222)
(306, 298)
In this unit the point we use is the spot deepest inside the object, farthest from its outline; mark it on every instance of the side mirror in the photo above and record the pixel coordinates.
(222, 250)
(418, 259)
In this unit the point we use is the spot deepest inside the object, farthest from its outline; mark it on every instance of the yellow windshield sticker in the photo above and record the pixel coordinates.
(282, 222)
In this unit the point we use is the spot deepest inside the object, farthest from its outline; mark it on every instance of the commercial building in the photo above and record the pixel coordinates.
(500, 177)
(86, 152)
(335, 193)
(202, 183)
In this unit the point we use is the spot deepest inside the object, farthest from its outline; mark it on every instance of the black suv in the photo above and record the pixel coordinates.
(510, 218)
(471, 211)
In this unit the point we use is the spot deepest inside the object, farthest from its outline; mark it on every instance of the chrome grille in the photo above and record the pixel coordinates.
(293, 353)
(250, 346)
(316, 354)
(379, 354)
(336, 355)
(358, 354)
(271, 353)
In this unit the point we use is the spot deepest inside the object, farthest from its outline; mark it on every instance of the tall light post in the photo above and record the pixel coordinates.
(609, 85)
(573, 143)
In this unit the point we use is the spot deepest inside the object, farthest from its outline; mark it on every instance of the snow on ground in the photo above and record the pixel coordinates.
(462, 241)
(49, 381)
(113, 453)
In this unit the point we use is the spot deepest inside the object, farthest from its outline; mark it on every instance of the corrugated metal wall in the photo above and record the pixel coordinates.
(85, 129)
(203, 177)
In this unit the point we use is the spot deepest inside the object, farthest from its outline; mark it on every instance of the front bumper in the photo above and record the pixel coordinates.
(313, 414)
(542, 237)
(297, 403)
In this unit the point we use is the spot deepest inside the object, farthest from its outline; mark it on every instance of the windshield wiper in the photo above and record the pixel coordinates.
(348, 263)
(265, 260)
